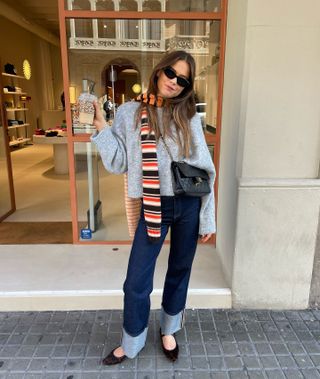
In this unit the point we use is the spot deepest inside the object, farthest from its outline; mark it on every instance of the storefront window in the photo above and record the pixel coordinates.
(146, 5)
(116, 67)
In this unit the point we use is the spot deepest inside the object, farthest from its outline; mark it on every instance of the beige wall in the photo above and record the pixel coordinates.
(18, 44)
(271, 146)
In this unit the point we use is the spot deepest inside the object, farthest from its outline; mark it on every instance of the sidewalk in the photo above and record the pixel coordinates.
(217, 344)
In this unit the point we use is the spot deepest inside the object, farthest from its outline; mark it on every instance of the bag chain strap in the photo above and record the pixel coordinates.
(166, 146)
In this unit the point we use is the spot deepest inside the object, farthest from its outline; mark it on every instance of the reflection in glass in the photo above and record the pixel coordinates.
(106, 28)
(120, 64)
(131, 48)
(146, 5)
(100, 197)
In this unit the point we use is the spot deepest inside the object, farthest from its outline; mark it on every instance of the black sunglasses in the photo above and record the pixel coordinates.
(181, 81)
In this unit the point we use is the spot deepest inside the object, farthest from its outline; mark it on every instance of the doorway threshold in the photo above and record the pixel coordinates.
(77, 277)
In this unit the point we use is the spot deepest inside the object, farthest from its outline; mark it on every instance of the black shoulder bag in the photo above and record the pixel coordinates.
(186, 179)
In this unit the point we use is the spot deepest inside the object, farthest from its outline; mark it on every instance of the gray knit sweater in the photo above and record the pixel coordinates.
(119, 147)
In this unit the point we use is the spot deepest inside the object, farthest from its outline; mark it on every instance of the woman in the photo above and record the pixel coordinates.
(135, 144)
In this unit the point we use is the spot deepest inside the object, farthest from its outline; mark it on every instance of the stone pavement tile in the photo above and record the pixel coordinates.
(15, 376)
(305, 336)
(315, 359)
(43, 351)
(211, 336)
(81, 338)
(146, 364)
(286, 361)
(60, 351)
(263, 348)
(196, 350)
(4, 364)
(38, 365)
(273, 336)
(77, 351)
(19, 364)
(183, 363)
(9, 351)
(312, 347)
(295, 348)
(144, 375)
(201, 375)
(49, 375)
(246, 348)
(216, 363)
(279, 348)
(26, 351)
(163, 363)
(34, 376)
(233, 363)
(73, 364)
(71, 375)
(55, 364)
(219, 375)
(165, 375)
(303, 361)
(238, 375)
(275, 374)
(207, 325)
(293, 374)
(256, 374)
(229, 348)
(251, 362)
(268, 362)
(212, 349)
(199, 363)
(310, 373)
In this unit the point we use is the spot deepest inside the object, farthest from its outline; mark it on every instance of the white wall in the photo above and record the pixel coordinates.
(278, 152)
(232, 121)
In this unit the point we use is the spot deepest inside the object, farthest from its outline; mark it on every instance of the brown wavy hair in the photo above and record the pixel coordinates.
(180, 109)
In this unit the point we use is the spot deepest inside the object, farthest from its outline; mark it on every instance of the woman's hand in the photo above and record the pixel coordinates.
(99, 122)
(205, 237)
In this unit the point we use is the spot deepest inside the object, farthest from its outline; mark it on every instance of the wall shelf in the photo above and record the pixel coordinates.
(13, 76)
(18, 126)
(19, 141)
(16, 109)
(14, 93)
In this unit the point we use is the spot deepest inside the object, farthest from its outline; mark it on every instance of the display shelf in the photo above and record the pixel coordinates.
(14, 93)
(18, 142)
(18, 126)
(16, 109)
(18, 134)
(13, 76)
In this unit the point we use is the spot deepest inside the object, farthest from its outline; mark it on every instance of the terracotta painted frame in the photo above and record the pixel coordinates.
(215, 140)
(7, 153)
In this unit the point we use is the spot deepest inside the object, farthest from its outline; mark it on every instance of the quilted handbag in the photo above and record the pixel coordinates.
(189, 180)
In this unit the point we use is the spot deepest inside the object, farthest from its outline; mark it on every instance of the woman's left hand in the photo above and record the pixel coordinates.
(205, 237)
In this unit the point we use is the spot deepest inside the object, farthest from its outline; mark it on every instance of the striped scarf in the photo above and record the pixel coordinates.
(150, 174)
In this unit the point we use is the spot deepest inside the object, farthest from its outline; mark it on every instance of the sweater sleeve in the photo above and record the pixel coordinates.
(111, 144)
(200, 157)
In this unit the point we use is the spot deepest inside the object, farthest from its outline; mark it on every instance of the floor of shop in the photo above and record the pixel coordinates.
(214, 344)
(43, 195)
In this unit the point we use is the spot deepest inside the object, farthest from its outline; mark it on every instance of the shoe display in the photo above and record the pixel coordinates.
(170, 354)
(111, 359)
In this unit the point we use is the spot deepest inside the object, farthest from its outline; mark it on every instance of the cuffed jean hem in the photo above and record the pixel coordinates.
(132, 345)
(171, 324)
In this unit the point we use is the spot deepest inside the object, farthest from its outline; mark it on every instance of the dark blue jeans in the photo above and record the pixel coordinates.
(181, 214)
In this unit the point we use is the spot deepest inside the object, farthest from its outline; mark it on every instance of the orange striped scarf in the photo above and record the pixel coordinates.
(150, 173)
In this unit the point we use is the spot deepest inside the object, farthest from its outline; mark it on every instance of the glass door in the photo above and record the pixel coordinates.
(7, 203)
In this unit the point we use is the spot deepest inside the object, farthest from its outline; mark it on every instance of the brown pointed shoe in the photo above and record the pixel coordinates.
(172, 355)
(111, 359)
